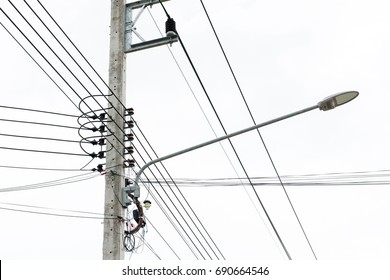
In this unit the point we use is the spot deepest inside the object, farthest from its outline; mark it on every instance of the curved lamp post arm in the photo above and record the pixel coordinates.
(326, 104)
(215, 140)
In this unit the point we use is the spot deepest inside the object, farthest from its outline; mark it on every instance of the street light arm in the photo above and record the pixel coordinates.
(204, 144)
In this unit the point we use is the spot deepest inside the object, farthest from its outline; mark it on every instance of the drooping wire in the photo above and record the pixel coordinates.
(230, 142)
(44, 57)
(40, 123)
(54, 214)
(258, 130)
(52, 183)
(37, 111)
(44, 151)
(41, 168)
(81, 54)
(53, 19)
(75, 61)
(36, 62)
(39, 138)
(49, 208)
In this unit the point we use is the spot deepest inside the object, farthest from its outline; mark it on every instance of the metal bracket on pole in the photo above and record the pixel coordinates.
(130, 28)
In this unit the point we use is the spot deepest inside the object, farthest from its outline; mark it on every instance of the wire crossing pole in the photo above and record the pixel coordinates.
(113, 230)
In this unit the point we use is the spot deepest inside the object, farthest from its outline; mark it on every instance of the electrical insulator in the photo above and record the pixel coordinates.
(130, 124)
(170, 27)
(100, 168)
(102, 116)
(99, 154)
(101, 128)
(102, 142)
(129, 112)
(129, 163)
(130, 149)
(130, 137)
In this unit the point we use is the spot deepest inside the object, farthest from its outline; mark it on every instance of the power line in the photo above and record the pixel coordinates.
(172, 213)
(49, 208)
(38, 111)
(234, 150)
(75, 61)
(46, 152)
(41, 123)
(258, 130)
(205, 116)
(81, 54)
(39, 138)
(52, 183)
(53, 214)
(45, 9)
(44, 57)
(40, 168)
(166, 242)
(230, 142)
(181, 204)
(182, 195)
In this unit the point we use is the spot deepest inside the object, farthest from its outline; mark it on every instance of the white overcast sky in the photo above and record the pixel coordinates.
(287, 55)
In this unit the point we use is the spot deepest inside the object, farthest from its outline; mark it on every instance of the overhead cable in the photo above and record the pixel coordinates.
(230, 142)
(258, 130)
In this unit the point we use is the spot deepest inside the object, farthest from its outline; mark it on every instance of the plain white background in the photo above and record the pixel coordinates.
(286, 55)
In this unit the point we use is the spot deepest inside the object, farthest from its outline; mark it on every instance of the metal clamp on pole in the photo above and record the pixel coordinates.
(171, 36)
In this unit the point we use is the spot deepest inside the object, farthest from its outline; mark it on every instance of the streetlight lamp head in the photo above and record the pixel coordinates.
(338, 99)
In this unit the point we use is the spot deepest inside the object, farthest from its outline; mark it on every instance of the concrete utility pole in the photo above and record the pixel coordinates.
(113, 230)
(122, 28)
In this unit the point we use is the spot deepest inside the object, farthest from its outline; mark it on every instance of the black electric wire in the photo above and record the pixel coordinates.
(235, 152)
(162, 237)
(40, 168)
(37, 111)
(45, 9)
(150, 247)
(44, 57)
(182, 195)
(166, 193)
(36, 62)
(258, 130)
(42, 151)
(168, 216)
(75, 61)
(39, 138)
(201, 108)
(230, 142)
(56, 215)
(40, 123)
(170, 210)
(81, 54)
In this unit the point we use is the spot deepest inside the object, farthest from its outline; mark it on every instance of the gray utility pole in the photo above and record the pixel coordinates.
(122, 28)
(113, 235)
